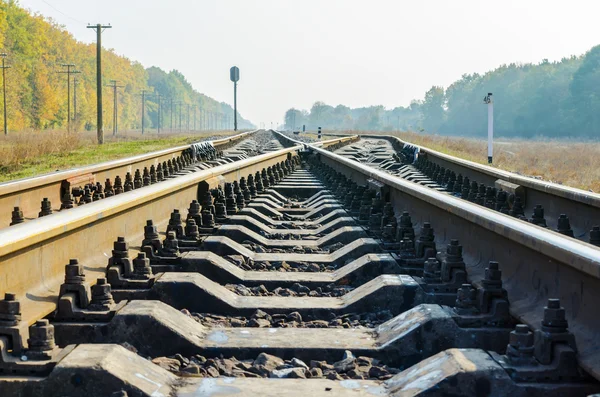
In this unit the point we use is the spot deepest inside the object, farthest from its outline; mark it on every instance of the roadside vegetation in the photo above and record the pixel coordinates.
(24, 155)
(572, 163)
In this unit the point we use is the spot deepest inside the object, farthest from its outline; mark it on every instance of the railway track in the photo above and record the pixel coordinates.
(296, 270)
(569, 211)
(26, 199)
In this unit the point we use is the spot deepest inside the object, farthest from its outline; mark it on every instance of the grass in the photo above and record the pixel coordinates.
(566, 162)
(28, 154)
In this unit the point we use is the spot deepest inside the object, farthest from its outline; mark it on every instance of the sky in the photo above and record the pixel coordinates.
(292, 53)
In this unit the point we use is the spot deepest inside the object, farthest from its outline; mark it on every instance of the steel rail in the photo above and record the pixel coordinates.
(33, 254)
(582, 207)
(27, 193)
(536, 263)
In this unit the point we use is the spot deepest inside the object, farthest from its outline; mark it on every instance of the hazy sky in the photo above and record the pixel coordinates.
(292, 53)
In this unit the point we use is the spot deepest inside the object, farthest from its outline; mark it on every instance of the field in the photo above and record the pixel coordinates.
(24, 155)
(571, 163)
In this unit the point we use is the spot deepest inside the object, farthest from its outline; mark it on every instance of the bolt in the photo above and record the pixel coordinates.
(141, 267)
(521, 337)
(118, 185)
(46, 208)
(454, 251)
(159, 173)
(191, 229)
(121, 247)
(17, 216)
(554, 317)
(520, 347)
(170, 245)
(466, 297)
(431, 269)
(492, 272)
(150, 231)
(10, 310)
(538, 216)
(517, 208)
(146, 177)
(564, 226)
(41, 337)
(153, 178)
(137, 180)
(102, 298)
(426, 232)
(74, 273)
(67, 201)
(405, 220)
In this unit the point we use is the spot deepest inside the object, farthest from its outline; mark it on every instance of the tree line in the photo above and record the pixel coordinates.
(550, 99)
(37, 46)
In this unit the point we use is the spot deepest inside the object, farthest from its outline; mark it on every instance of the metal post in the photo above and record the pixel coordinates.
(488, 99)
(99, 30)
(235, 106)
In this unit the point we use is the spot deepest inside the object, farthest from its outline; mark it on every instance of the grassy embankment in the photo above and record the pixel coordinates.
(24, 155)
(567, 162)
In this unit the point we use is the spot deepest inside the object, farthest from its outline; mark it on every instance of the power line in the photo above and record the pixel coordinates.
(60, 12)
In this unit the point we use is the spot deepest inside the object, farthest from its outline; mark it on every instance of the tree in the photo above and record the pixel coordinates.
(433, 109)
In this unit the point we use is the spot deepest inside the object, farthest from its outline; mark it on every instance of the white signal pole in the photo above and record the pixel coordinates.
(488, 100)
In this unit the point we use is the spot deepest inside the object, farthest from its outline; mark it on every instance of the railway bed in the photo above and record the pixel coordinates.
(294, 271)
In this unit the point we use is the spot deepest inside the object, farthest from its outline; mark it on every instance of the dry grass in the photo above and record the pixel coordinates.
(27, 154)
(571, 163)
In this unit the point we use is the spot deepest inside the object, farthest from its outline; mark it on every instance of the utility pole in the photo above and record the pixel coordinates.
(195, 106)
(115, 118)
(68, 72)
(180, 109)
(99, 28)
(143, 108)
(75, 84)
(188, 117)
(159, 113)
(171, 99)
(4, 67)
